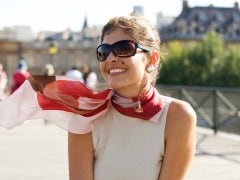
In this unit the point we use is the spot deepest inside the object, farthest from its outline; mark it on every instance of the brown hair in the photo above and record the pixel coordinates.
(140, 29)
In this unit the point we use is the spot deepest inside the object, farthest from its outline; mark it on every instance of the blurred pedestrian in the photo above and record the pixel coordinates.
(3, 82)
(85, 70)
(75, 74)
(91, 80)
(48, 70)
(20, 75)
(90, 77)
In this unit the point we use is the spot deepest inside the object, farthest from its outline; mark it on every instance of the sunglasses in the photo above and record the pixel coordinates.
(125, 48)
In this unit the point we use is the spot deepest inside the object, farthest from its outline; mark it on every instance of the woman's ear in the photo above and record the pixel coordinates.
(154, 58)
(153, 61)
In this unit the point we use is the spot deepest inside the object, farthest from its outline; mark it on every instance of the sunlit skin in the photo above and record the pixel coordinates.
(126, 75)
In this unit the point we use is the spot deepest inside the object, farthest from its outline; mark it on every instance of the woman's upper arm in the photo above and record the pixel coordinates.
(180, 141)
(80, 153)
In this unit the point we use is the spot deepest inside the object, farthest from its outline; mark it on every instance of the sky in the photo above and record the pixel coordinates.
(58, 15)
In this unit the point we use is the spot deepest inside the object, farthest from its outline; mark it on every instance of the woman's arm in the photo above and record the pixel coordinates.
(80, 153)
(180, 140)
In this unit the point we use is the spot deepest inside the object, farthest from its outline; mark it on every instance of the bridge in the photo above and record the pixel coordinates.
(38, 151)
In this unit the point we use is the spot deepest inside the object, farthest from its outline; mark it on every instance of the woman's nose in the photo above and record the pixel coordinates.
(111, 57)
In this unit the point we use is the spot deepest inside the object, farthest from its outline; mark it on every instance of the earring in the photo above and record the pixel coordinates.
(150, 68)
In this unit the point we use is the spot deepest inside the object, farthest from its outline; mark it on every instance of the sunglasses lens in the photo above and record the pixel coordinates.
(124, 49)
(103, 52)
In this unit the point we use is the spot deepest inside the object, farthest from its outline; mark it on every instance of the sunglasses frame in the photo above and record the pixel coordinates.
(111, 49)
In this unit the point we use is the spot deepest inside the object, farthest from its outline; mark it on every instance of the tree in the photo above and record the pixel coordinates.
(205, 58)
(171, 63)
(229, 69)
(207, 63)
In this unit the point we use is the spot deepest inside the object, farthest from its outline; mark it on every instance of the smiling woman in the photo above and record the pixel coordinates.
(141, 125)
(111, 133)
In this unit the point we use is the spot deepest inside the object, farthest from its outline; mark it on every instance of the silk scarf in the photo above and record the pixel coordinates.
(71, 105)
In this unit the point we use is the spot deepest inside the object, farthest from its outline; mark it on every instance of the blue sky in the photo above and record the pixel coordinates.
(57, 15)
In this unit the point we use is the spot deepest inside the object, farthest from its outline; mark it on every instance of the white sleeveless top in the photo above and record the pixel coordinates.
(127, 148)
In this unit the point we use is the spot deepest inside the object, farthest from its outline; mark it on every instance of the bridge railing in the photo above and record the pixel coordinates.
(216, 108)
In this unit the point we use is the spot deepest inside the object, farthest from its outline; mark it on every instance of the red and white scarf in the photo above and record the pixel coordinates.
(70, 105)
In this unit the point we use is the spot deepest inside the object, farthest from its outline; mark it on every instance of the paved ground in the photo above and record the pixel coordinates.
(35, 151)
(217, 157)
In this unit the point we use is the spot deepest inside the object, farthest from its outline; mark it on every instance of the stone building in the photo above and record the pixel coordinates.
(10, 51)
(73, 48)
(194, 22)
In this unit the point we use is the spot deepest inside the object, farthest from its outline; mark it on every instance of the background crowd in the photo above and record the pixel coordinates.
(8, 85)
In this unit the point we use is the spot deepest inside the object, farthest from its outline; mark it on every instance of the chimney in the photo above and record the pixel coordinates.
(184, 5)
(236, 5)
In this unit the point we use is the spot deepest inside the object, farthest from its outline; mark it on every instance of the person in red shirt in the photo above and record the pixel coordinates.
(19, 76)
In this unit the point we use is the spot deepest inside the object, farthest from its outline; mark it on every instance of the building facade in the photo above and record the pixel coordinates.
(194, 22)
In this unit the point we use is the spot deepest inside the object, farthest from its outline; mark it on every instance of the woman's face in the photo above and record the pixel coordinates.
(126, 75)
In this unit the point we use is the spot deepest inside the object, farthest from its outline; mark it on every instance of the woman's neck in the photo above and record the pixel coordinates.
(133, 92)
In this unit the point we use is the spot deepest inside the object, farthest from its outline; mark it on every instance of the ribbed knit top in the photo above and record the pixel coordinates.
(127, 148)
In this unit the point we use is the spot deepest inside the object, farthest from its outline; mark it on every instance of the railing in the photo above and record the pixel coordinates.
(216, 108)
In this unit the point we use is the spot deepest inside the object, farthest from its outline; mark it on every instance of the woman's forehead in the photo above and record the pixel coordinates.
(116, 35)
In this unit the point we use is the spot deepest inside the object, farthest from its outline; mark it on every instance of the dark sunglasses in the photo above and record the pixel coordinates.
(125, 48)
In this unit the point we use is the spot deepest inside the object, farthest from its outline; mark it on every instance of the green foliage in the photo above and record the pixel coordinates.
(212, 45)
(208, 63)
(229, 73)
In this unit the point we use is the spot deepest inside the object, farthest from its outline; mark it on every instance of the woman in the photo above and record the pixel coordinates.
(143, 135)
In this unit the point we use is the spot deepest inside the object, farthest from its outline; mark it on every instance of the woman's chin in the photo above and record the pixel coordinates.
(115, 86)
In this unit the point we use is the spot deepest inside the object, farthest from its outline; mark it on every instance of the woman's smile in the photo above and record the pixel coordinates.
(116, 71)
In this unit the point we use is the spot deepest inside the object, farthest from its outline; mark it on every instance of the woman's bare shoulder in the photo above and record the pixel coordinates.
(181, 117)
